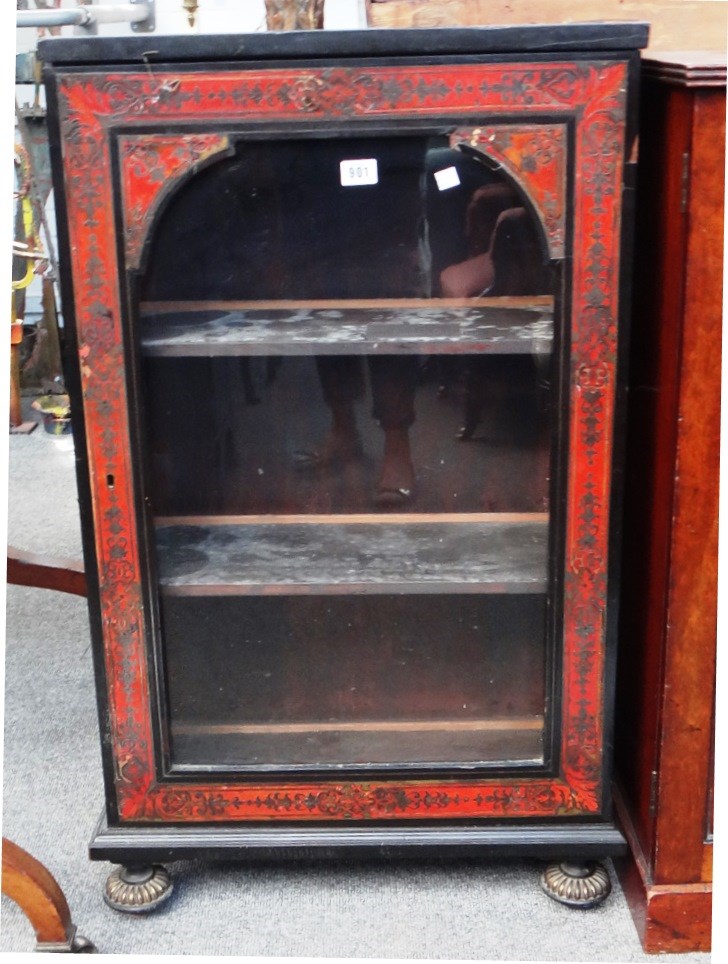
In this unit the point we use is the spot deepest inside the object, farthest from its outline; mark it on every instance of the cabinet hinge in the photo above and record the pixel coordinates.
(653, 792)
(685, 182)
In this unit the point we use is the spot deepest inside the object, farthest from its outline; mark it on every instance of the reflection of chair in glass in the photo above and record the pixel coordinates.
(505, 254)
(476, 274)
(506, 260)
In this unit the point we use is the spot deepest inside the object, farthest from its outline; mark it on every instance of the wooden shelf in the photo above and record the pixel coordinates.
(495, 554)
(410, 744)
(432, 326)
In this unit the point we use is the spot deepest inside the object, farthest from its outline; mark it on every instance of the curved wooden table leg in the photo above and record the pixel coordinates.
(24, 879)
(34, 889)
(46, 572)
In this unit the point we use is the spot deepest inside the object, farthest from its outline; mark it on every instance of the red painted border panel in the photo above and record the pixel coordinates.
(92, 105)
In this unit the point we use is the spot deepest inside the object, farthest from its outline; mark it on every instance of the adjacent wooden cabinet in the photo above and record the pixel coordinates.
(347, 374)
(666, 670)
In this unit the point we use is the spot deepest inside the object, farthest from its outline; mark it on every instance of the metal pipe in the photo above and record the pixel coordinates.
(84, 16)
(77, 16)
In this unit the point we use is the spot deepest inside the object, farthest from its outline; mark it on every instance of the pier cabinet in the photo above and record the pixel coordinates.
(346, 358)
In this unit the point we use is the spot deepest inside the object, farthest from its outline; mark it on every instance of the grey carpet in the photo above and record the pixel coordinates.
(468, 910)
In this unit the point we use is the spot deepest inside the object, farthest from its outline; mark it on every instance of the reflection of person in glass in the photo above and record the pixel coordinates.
(393, 380)
(476, 239)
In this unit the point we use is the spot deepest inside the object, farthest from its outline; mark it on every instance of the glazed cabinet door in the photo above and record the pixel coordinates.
(347, 390)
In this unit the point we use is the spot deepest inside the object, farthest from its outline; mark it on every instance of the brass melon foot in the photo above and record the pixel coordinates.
(137, 889)
(581, 884)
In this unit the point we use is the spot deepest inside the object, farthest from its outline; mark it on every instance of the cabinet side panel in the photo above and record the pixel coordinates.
(692, 601)
(72, 376)
(102, 392)
(649, 474)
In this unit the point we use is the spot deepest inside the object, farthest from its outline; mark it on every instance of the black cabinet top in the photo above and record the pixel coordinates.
(339, 44)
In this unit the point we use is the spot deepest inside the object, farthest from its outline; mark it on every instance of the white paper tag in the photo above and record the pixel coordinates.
(360, 171)
(447, 178)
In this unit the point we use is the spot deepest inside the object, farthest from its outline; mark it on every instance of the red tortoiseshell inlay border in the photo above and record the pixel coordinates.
(152, 165)
(91, 106)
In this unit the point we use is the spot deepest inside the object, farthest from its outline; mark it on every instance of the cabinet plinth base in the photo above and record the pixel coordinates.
(582, 884)
(137, 889)
(131, 844)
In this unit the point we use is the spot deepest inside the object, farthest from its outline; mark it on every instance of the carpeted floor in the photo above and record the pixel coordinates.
(484, 910)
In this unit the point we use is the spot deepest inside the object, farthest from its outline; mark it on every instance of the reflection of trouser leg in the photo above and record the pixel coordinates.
(393, 392)
(342, 383)
(394, 379)
(342, 380)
